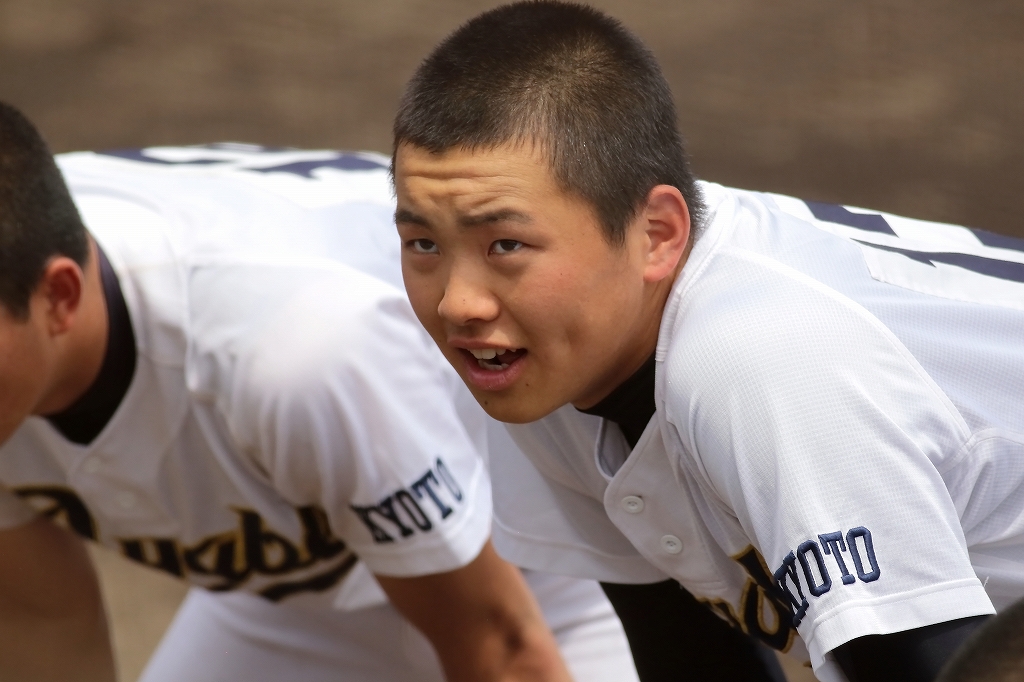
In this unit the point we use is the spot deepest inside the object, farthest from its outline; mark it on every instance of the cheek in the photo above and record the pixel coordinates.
(420, 287)
(579, 313)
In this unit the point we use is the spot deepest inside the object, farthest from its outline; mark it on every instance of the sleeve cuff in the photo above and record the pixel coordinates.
(906, 611)
(459, 544)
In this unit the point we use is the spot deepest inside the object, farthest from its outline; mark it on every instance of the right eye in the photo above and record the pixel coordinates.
(424, 246)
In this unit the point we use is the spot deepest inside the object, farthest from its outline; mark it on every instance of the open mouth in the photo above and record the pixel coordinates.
(497, 359)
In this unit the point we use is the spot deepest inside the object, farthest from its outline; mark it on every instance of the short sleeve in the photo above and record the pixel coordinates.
(347, 404)
(822, 441)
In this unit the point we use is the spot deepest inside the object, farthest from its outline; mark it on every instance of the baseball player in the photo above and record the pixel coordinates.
(808, 415)
(270, 425)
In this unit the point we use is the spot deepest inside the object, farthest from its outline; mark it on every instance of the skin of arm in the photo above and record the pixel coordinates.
(53, 626)
(482, 620)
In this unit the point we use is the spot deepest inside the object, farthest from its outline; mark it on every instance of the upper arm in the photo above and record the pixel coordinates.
(821, 440)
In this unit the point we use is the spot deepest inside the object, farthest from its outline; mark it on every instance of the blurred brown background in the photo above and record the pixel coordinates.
(910, 107)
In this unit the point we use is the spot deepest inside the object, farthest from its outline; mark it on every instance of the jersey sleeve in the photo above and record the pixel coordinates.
(345, 402)
(819, 439)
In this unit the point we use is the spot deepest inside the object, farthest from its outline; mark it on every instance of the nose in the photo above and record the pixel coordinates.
(467, 299)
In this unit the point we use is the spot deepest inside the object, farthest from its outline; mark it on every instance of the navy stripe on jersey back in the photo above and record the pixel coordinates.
(1001, 269)
(839, 214)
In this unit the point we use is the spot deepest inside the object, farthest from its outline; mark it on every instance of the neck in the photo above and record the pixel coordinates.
(82, 350)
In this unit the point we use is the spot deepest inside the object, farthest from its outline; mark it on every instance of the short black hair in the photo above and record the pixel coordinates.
(568, 77)
(38, 219)
(993, 653)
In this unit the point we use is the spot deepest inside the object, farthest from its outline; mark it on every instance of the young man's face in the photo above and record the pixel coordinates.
(516, 282)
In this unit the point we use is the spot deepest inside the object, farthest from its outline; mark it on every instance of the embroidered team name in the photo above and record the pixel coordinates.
(225, 560)
(405, 511)
(814, 572)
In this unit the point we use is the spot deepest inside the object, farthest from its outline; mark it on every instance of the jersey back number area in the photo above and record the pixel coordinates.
(942, 260)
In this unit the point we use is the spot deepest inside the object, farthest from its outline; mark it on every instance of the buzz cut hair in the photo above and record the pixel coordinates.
(38, 219)
(568, 78)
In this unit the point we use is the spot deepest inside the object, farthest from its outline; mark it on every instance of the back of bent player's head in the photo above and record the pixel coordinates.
(993, 653)
(38, 219)
(564, 76)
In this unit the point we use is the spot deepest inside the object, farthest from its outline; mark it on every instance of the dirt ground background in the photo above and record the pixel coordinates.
(910, 107)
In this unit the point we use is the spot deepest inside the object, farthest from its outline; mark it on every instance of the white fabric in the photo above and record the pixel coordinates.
(817, 382)
(274, 390)
(218, 637)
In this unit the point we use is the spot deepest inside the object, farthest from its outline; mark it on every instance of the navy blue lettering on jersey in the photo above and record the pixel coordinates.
(805, 573)
(993, 267)
(999, 241)
(408, 510)
(140, 156)
(345, 161)
(832, 213)
(1000, 269)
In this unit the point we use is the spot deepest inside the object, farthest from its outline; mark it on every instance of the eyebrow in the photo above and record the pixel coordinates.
(403, 215)
(506, 215)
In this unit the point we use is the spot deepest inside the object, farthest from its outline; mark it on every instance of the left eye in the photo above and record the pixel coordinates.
(503, 246)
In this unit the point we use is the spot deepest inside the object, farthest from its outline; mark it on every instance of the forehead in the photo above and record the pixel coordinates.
(465, 176)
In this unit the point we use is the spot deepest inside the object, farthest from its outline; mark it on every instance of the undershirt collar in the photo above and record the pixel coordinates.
(631, 404)
(86, 417)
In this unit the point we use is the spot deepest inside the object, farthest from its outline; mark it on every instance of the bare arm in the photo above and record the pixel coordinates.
(482, 620)
(53, 626)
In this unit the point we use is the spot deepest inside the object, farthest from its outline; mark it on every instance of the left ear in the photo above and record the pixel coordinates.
(666, 221)
(60, 293)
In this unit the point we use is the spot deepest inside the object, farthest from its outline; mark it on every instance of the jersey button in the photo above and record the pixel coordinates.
(671, 544)
(632, 504)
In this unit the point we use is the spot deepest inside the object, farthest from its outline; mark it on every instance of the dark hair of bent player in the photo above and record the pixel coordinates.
(38, 219)
(993, 653)
(564, 76)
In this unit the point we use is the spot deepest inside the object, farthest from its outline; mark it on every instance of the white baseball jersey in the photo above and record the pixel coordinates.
(289, 425)
(838, 444)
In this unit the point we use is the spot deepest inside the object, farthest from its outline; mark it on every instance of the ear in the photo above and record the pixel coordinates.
(59, 293)
(667, 224)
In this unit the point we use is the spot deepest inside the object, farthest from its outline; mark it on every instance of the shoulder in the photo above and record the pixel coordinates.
(760, 348)
(260, 330)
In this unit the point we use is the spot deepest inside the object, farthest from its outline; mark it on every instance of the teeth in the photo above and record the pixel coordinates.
(490, 353)
(493, 368)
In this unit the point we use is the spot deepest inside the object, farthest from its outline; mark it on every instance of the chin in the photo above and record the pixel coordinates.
(511, 410)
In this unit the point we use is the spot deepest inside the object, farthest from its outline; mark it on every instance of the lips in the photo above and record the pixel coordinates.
(493, 369)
